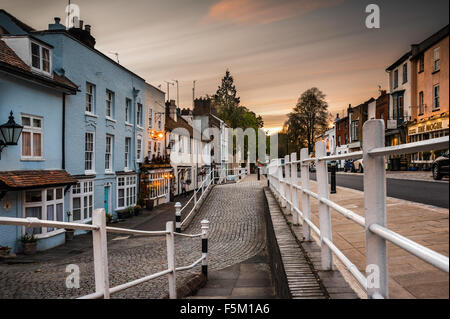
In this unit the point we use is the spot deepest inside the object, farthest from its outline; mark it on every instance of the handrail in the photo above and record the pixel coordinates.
(100, 248)
(285, 187)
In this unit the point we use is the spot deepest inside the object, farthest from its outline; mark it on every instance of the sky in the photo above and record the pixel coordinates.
(275, 49)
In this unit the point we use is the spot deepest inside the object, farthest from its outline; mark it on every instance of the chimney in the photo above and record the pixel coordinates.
(57, 25)
(173, 110)
(83, 35)
(87, 28)
(81, 24)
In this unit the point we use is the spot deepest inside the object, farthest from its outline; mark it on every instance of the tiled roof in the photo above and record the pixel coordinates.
(181, 123)
(9, 58)
(17, 180)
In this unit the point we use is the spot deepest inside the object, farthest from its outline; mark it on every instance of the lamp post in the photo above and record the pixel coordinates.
(10, 133)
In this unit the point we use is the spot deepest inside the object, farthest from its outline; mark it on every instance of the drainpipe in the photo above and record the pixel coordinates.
(63, 164)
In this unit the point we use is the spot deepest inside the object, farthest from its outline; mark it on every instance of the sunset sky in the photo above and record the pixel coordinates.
(275, 49)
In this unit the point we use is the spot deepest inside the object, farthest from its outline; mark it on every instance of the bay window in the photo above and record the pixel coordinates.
(44, 204)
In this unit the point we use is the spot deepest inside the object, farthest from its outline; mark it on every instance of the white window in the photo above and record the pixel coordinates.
(139, 114)
(127, 152)
(82, 199)
(44, 204)
(159, 184)
(32, 138)
(437, 59)
(90, 98)
(109, 154)
(89, 152)
(139, 149)
(150, 117)
(40, 58)
(109, 104)
(127, 110)
(126, 191)
(436, 96)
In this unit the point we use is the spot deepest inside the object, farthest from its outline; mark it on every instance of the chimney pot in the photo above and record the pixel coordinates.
(87, 28)
(57, 20)
(81, 24)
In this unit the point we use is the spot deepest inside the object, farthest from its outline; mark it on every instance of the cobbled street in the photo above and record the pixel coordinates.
(237, 232)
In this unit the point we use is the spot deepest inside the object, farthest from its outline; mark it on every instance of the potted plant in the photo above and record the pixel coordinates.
(188, 182)
(4, 251)
(108, 218)
(137, 210)
(29, 243)
(69, 232)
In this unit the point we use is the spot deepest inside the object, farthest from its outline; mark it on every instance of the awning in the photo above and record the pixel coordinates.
(21, 180)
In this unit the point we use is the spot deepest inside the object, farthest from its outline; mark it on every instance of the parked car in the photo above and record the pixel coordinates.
(348, 166)
(359, 166)
(440, 166)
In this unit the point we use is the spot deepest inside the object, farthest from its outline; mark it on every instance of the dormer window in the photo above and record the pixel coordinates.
(40, 58)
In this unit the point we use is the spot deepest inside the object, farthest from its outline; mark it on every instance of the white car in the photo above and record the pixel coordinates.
(359, 165)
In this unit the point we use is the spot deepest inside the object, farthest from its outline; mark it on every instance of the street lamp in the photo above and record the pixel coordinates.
(10, 132)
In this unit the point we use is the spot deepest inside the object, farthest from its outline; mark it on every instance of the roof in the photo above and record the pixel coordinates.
(11, 63)
(418, 49)
(19, 23)
(399, 61)
(19, 180)
(181, 123)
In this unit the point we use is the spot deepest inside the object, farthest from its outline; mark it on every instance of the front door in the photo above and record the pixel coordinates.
(106, 199)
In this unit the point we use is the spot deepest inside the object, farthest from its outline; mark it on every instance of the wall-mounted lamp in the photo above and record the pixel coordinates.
(10, 133)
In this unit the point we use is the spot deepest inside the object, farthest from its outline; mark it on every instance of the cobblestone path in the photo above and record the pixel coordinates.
(235, 212)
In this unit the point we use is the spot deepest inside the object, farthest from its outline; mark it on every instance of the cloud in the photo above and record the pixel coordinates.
(254, 12)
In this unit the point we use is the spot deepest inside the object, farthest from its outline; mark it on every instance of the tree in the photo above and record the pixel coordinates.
(309, 119)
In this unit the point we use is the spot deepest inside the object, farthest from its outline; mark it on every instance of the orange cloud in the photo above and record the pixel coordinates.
(244, 12)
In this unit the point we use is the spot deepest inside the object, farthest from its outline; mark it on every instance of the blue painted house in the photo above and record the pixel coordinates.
(102, 140)
(33, 181)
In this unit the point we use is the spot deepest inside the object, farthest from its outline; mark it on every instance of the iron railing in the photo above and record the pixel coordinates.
(377, 234)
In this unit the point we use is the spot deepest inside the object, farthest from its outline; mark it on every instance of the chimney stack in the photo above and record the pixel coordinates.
(173, 110)
(87, 27)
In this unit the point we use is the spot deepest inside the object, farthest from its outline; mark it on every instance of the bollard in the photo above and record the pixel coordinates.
(170, 240)
(259, 174)
(333, 177)
(205, 233)
(178, 217)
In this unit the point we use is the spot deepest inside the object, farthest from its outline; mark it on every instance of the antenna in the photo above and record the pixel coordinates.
(116, 54)
(168, 89)
(178, 93)
(193, 93)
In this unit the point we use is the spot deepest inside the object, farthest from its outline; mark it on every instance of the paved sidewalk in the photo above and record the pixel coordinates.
(410, 277)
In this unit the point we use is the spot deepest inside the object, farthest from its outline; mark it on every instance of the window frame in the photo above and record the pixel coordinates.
(86, 187)
(395, 79)
(32, 130)
(127, 153)
(139, 111)
(129, 187)
(437, 61)
(405, 73)
(40, 69)
(43, 204)
(92, 169)
(92, 95)
(110, 161)
(109, 102)
(139, 150)
(128, 107)
(436, 97)
(421, 103)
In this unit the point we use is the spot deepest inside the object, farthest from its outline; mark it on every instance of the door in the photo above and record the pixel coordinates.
(106, 199)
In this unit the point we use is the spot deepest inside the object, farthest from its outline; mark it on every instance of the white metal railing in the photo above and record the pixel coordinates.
(237, 173)
(209, 180)
(100, 250)
(377, 234)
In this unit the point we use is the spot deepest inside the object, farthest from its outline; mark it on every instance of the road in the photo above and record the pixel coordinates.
(425, 192)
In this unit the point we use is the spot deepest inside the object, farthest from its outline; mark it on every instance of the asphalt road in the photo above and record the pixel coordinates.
(425, 192)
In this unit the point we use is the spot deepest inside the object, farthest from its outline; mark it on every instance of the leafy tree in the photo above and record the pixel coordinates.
(309, 119)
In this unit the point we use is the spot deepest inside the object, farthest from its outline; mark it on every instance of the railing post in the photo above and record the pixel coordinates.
(195, 196)
(100, 250)
(324, 210)
(306, 204)
(170, 240)
(294, 191)
(178, 217)
(333, 177)
(375, 207)
(287, 184)
(205, 234)
(281, 184)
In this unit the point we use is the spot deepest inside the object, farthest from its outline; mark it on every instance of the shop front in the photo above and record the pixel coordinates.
(156, 184)
(425, 130)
